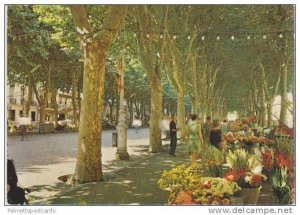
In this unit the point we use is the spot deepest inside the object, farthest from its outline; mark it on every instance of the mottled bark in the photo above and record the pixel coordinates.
(155, 113)
(96, 47)
(151, 62)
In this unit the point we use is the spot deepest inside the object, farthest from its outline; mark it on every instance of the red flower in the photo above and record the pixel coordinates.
(229, 177)
(267, 160)
(235, 176)
(283, 161)
(256, 180)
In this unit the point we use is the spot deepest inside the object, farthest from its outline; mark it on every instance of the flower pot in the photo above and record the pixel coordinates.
(250, 195)
(282, 195)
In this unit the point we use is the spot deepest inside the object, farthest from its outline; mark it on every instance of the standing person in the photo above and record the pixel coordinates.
(23, 126)
(224, 127)
(206, 129)
(215, 136)
(173, 136)
(195, 144)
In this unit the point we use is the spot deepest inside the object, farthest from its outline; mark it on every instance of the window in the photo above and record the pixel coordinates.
(61, 117)
(21, 112)
(33, 116)
(12, 115)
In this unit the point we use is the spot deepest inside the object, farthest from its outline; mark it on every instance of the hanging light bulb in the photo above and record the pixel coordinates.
(280, 36)
(203, 37)
(248, 37)
(189, 37)
(232, 37)
(265, 37)
(218, 37)
(174, 37)
(147, 35)
(161, 36)
(134, 34)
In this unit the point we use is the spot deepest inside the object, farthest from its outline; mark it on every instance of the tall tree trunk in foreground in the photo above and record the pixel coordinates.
(151, 53)
(95, 47)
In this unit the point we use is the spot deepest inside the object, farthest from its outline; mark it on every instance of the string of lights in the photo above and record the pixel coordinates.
(176, 35)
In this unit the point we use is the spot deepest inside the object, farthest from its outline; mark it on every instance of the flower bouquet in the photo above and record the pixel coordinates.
(246, 171)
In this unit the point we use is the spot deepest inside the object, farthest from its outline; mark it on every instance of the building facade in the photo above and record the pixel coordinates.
(15, 103)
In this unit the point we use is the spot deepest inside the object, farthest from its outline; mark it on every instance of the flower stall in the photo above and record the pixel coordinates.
(237, 174)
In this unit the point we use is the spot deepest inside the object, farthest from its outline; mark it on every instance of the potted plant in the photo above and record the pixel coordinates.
(282, 180)
(281, 189)
(213, 160)
(246, 171)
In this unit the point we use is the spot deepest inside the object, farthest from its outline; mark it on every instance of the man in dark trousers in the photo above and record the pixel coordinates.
(173, 136)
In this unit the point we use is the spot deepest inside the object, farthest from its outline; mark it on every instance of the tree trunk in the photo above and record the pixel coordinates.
(269, 113)
(143, 113)
(151, 61)
(181, 112)
(74, 100)
(130, 107)
(42, 113)
(155, 112)
(111, 107)
(54, 105)
(28, 100)
(194, 103)
(88, 165)
(263, 107)
(79, 103)
(284, 98)
(117, 109)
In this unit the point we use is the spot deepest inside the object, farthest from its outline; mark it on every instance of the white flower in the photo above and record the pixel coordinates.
(248, 179)
(257, 170)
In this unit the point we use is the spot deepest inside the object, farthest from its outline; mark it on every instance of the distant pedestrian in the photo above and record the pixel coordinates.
(23, 123)
(137, 123)
(206, 127)
(215, 137)
(23, 132)
(173, 136)
(195, 144)
(224, 127)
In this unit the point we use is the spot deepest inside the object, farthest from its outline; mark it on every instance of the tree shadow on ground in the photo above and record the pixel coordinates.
(134, 185)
